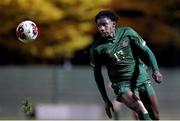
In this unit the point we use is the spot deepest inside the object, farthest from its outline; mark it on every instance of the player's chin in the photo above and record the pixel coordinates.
(105, 35)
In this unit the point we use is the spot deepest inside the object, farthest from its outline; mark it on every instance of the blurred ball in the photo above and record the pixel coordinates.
(27, 31)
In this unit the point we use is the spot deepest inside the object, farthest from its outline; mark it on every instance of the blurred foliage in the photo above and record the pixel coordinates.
(65, 26)
(157, 20)
(28, 108)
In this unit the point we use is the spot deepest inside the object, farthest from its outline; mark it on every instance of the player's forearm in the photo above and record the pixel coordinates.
(100, 83)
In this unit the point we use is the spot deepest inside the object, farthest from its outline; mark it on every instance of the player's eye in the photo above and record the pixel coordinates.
(102, 23)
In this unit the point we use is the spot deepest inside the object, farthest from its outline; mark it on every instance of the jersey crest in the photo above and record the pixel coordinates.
(124, 43)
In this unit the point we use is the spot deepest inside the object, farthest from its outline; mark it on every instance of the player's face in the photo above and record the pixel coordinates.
(106, 27)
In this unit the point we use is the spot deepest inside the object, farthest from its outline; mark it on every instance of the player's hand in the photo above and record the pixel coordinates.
(108, 108)
(157, 76)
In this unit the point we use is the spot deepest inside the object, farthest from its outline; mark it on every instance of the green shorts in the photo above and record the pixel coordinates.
(144, 88)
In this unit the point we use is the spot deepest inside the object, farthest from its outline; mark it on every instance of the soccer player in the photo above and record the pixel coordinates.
(125, 55)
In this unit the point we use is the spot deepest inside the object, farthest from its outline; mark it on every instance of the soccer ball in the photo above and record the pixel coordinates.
(27, 31)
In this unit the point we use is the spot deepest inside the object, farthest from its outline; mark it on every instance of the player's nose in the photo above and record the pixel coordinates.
(101, 28)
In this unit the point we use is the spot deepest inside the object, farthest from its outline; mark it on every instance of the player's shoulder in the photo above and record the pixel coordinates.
(128, 30)
(97, 42)
(94, 46)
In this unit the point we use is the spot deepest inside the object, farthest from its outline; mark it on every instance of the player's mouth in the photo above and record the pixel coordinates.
(104, 34)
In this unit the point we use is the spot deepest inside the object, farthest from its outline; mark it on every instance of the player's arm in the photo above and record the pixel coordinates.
(146, 53)
(95, 62)
(97, 68)
(100, 83)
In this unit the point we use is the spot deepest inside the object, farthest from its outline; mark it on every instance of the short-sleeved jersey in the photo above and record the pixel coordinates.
(121, 56)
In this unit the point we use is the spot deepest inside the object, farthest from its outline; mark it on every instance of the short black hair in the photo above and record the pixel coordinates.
(107, 13)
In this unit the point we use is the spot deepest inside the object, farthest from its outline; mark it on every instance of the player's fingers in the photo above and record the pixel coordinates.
(112, 108)
(108, 112)
(159, 78)
(153, 76)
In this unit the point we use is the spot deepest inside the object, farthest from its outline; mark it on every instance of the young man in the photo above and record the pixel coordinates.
(124, 53)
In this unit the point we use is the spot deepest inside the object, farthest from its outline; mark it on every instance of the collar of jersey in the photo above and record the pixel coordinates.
(114, 39)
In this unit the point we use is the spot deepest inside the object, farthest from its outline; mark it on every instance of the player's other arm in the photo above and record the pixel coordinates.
(157, 76)
(100, 82)
(101, 86)
(95, 62)
(146, 53)
(153, 64)
(97, 68)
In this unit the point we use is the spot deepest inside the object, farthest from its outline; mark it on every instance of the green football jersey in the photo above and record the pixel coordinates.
(124, 56)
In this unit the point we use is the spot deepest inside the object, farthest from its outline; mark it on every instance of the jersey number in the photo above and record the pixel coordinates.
(119, 55)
